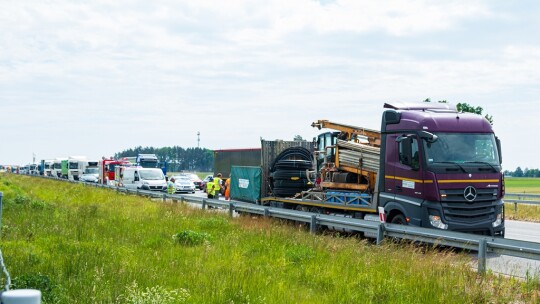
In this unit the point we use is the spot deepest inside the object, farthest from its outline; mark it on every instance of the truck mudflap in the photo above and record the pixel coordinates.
(485, 218)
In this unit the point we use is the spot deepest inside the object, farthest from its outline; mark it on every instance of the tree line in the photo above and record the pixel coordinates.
(177, 158)
(523, 172)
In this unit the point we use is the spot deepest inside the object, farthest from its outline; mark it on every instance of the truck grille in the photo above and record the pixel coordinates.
(465, 212)
(457, 195)
(457, 209)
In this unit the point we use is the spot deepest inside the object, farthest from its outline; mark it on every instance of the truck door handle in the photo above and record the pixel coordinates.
(398, 188)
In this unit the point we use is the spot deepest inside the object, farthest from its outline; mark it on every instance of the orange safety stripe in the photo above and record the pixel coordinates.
(444, 181)
(425, 181)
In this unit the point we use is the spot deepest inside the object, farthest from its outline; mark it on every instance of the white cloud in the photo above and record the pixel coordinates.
(268, 68)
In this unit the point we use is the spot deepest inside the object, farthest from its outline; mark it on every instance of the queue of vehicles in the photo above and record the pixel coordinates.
(429, 166)
(141, 172)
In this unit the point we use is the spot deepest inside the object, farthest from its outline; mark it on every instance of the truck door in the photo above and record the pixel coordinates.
(390, 159)
(409, 179)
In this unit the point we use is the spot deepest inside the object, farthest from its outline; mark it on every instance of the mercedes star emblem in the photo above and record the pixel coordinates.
(469, 194)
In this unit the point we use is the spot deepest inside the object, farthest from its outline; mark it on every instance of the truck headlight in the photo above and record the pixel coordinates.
(436, 222)
(498, 221)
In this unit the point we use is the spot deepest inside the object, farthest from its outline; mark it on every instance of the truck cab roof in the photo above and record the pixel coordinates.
(437, 119)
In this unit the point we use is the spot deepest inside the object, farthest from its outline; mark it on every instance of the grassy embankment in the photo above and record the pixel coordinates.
(530, 213)
(84, 245)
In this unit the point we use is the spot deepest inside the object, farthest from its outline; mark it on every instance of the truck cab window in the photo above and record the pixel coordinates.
(408, 152)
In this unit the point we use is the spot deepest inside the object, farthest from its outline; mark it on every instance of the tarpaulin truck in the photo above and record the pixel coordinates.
(226, 158)
(76, 165)
(429, 166)
(148, 161)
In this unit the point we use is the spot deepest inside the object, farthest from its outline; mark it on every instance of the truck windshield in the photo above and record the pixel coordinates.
(151, 174)
(462, 148)
(149, 163)
(91, 171)
(74, 165)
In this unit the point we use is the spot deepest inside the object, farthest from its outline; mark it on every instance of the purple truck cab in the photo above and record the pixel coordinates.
(440, 169)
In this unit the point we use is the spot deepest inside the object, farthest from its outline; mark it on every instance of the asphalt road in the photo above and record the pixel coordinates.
(508, 265)
(524, 231)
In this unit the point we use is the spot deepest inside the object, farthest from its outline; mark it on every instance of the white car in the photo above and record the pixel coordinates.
(183, 184)
(90, 175)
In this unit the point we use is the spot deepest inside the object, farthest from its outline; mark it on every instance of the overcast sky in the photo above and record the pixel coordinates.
(97, 77)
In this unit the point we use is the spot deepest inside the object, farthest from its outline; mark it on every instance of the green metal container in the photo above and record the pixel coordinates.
(246, 183)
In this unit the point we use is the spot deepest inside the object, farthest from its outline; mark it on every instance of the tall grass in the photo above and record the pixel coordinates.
(86, 245)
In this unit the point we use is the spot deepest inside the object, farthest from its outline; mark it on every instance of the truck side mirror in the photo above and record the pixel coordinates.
(429, 137)
(498, 141)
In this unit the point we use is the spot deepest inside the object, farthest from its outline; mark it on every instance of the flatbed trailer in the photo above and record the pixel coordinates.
(429, 166)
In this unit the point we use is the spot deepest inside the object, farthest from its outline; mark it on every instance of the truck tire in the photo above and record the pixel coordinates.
(399, 219)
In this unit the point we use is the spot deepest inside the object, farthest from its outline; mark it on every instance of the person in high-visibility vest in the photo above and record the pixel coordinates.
(171, 188)
(210, 191)
(217, 185)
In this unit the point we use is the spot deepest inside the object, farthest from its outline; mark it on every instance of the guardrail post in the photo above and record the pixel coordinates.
(164, 197)
(380, 233)
(482, 251)
(266, 212)
(515, 207)
(313, 225)
(203, 204)
(231, 209)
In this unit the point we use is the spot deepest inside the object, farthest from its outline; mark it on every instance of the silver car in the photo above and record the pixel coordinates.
(183, 184)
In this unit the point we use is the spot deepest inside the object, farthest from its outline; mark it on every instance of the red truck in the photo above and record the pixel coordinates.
(106, 169)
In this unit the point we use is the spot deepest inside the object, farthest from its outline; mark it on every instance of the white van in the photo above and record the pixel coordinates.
(142, 178)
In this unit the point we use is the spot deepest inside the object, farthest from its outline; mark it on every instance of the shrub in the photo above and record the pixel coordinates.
(191, 238)
(49, 289)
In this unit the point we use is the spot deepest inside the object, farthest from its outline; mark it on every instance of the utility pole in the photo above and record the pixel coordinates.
(33, 158)
(198, 138)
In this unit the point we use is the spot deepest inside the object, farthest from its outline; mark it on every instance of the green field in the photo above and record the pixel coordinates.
(522, 185)
(530, 213)
(85, 245)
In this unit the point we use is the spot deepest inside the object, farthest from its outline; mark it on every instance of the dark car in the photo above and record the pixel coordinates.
(195, 179)
(205, 180)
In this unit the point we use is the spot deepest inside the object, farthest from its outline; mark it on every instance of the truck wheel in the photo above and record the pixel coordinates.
(399, 219)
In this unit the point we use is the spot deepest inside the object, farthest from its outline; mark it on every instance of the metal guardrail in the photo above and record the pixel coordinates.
(522, 198)
(481, 244)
